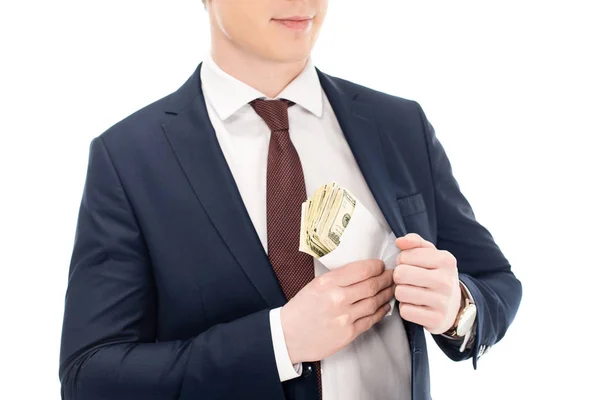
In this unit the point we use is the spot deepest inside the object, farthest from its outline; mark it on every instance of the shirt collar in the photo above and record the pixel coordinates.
(228, 94)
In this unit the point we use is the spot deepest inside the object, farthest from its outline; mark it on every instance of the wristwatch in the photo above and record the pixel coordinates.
(464, 324)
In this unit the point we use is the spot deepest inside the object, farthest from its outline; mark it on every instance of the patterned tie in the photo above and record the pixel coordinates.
(286, 191)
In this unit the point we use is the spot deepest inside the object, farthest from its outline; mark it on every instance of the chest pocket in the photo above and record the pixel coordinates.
(415, 216)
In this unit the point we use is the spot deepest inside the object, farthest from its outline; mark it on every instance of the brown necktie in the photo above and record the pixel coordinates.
(286, 191)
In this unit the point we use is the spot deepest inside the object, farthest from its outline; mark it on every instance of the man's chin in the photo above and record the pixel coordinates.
(288, 57)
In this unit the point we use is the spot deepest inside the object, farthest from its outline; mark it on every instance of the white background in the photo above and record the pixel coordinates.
(511, 87)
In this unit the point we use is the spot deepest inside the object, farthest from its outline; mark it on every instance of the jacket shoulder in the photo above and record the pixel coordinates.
(147, 122)
(140, 124)
(385, 102)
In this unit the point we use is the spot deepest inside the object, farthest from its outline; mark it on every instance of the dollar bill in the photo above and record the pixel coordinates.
(325, 216)
(341, 215)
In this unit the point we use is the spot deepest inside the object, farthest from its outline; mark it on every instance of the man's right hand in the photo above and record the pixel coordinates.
(334, 308)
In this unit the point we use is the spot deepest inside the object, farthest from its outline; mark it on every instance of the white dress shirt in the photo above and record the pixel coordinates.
(377, 364)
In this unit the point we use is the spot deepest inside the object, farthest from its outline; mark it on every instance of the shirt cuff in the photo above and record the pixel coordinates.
(286, 369)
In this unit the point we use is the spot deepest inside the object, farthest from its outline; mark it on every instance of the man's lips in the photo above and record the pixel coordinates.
(295, 18)
(298, 23)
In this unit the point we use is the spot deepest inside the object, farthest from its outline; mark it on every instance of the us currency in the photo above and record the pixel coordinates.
(327, 205)
(321, 226)
(306, 244)
(321, 199)
(325, 216)
(340, 214)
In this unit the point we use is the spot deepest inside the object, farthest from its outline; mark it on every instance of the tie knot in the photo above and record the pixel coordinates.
(273, 112)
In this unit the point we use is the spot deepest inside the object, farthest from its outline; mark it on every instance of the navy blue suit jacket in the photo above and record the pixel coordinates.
(169, 286)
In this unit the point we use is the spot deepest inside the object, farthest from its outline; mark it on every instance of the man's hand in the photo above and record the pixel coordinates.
(428, 288)
(336, 307)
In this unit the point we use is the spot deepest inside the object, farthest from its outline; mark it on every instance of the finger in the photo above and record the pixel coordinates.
(365, 323)
(405, 274)
(370, 305)
(421, 315)
(411, 241)
(370, 287)
(357, 271)
(424, 258)
(420, 297)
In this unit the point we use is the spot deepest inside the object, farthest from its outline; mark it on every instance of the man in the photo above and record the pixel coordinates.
(186, 281)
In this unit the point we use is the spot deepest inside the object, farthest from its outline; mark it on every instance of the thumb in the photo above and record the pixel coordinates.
(412, 241)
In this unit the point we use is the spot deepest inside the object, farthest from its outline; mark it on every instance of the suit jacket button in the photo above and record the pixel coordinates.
(307, 370)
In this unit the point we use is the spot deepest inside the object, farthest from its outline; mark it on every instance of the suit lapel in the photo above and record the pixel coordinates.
(362, 135)
(195, 144)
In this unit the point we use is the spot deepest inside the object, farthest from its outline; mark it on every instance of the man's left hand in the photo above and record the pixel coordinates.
(428, 288)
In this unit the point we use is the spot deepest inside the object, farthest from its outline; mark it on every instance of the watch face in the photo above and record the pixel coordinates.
(466, 320)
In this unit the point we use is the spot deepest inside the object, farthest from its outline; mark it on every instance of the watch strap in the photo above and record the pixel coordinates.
(469, 338)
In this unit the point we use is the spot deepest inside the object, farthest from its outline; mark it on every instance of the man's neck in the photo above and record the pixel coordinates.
(266, 76)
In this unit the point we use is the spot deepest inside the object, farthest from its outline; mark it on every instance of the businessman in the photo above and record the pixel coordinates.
(185, 279)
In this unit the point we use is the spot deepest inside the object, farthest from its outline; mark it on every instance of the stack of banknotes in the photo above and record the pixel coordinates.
(337, 229)
(325, 216)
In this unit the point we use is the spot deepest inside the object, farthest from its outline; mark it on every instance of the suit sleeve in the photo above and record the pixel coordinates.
(482, 266)
(108, 345)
